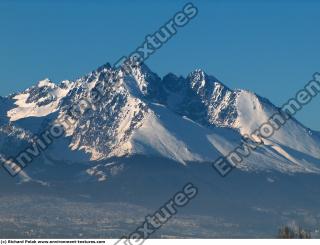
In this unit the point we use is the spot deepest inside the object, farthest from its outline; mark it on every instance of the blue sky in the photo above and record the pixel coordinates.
(269, 47)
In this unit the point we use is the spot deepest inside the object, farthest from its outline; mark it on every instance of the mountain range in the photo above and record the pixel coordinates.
(138, 144)
(185, 119)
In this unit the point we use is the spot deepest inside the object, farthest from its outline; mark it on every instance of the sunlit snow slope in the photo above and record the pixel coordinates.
(186, 119)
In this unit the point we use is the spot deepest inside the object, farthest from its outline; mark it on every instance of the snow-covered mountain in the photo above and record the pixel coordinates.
(193, 119)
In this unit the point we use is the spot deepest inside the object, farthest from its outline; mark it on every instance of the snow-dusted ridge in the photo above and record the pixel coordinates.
(40, 100)
(191, 119)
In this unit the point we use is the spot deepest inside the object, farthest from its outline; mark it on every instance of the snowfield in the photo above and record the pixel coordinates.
(192, 119)
(143, 140)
